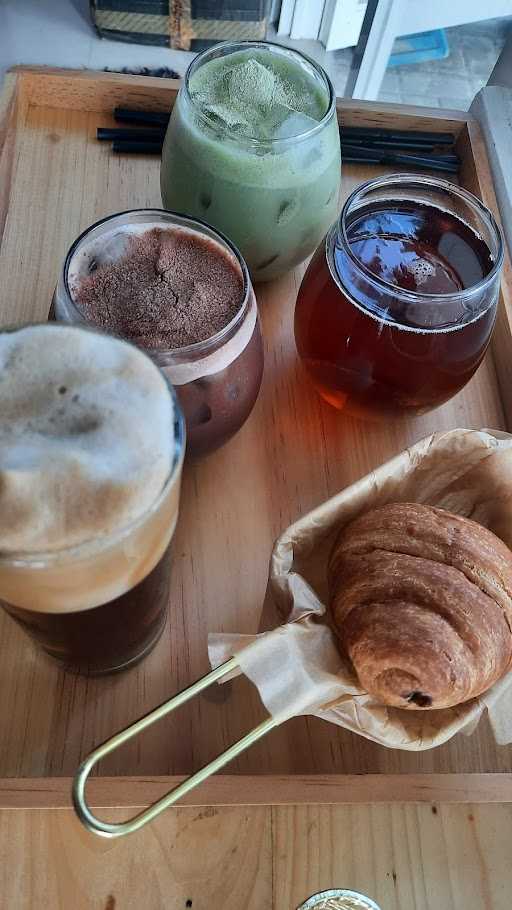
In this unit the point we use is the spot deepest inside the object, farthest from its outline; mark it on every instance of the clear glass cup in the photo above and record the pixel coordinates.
(217, 381)
(274, 199)
(397, 307)
(101, 606)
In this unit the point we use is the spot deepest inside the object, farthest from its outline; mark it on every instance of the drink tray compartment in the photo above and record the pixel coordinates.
(294, 452)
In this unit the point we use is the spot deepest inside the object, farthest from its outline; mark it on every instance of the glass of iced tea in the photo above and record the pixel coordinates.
(398, 305)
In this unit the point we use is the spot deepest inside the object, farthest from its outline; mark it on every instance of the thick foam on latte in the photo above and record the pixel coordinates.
(86, 437)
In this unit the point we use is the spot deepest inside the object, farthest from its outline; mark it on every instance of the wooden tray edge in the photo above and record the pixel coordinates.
(24, 85)
(99, 91)
(476, 176)
(90, 90)
(232, 790)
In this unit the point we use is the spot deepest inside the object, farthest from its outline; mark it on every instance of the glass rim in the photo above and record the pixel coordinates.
(311, 902)
(30, 559)
(193, 224)
(251, 141)
(440, 183)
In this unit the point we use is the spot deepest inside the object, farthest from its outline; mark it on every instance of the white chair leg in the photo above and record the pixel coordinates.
(384, 20)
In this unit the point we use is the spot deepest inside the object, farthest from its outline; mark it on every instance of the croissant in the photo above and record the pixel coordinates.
(421, 601)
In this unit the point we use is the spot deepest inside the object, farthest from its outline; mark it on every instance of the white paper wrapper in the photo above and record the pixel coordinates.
(297, 667)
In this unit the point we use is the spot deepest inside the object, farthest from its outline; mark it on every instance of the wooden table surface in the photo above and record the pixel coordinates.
(406, 856)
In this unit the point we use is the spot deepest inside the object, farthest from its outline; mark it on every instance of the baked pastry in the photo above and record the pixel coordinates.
(421, 601)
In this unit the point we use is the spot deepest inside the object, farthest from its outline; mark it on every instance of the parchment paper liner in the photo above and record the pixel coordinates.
(297, 667)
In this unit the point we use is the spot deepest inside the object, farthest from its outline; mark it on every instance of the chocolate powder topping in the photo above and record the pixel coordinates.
(171, 288)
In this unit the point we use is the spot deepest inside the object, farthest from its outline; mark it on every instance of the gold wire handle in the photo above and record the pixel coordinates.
(107, 829)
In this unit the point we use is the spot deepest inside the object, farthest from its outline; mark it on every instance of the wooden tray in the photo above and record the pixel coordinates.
(294, 452)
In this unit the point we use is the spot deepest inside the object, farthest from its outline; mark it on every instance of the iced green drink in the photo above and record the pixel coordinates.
(253, 149)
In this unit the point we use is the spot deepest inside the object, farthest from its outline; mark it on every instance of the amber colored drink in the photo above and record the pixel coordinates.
(394, 314)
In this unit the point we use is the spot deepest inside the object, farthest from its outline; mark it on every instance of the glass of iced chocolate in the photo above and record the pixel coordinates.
(91, 451)
(180, 291)
(253, 148)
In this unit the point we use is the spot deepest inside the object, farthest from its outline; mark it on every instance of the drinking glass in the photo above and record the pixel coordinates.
(397, 307)
(217, 380)
(274, 198)
(101, 606)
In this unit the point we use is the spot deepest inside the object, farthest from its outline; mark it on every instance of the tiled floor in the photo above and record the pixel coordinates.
(454, 81)
(449, 83)
(59, 33)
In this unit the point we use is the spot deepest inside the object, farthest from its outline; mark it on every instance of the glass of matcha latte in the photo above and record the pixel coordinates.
(253, 149)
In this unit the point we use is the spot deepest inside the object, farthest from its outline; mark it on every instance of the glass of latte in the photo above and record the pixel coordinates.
(91, 451)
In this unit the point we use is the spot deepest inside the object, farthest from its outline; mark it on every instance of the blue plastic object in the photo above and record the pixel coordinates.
(419, 48)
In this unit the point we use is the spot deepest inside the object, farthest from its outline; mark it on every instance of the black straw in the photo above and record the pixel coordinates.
(152, 118)
(105, 133)
(406, 144)
(350, 154)
(122, 146)
(359, 144)
(376, 150)
(435, 163)
(397, 136)
(161, 118)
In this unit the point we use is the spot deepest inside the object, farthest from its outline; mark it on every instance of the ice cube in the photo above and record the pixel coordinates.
(287, 209)
(229, 117)
(253, 100)
(251, 83)
(294, 124)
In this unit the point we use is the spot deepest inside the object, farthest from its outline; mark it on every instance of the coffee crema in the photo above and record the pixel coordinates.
(89, 485)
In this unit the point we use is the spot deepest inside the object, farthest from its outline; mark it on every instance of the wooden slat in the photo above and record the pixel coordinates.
(293, 453)
(90, 91)
(353, 112)
(210, 858)
(262, 789)
(405, 857)
(82, 90)
(426, 857)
